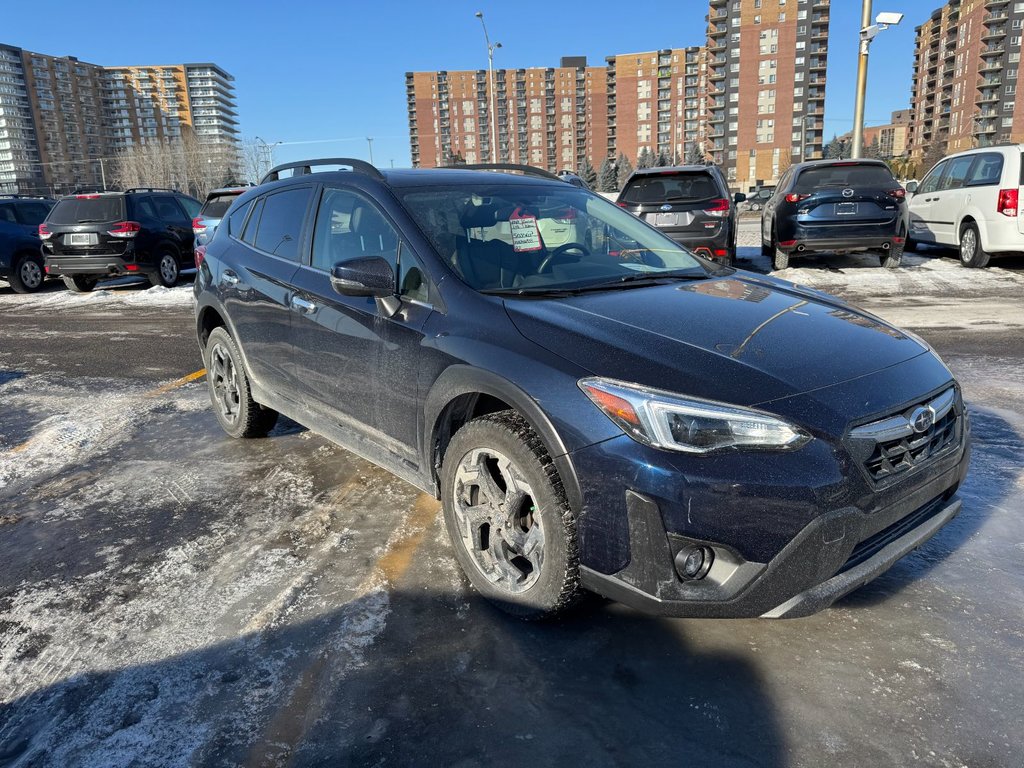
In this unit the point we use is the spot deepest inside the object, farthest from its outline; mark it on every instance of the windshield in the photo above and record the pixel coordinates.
(82, 210)
(846, 175)
(519, 237)
(687, 187)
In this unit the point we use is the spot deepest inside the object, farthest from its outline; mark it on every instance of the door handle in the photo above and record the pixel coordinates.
(229, 277)
(303, 305)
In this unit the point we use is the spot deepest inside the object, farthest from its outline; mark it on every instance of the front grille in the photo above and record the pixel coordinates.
(895, 456)
(875, 544)
(909, 439)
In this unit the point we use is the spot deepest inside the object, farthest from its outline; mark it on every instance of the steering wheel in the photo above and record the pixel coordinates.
(558, 252)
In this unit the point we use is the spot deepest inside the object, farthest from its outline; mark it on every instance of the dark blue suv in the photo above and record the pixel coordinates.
(21, 263)
(595, 406)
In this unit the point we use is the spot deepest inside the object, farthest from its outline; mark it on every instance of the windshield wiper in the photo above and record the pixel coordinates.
(625, 281)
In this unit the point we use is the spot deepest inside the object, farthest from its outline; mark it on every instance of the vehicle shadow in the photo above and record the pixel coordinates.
(995, 471)
(412, 677)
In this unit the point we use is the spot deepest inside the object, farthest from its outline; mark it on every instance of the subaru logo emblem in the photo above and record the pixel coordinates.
(847, 193)
(922, 419)
(666, 207)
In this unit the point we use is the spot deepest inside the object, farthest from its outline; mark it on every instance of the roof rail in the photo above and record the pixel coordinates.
(16, 196)
(305, 167)
(527, 170)
(149, 189)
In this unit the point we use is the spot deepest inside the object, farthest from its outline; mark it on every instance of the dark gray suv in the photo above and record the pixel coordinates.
(689, 203)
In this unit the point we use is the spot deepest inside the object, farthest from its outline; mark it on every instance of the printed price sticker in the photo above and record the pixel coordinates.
(525, 234)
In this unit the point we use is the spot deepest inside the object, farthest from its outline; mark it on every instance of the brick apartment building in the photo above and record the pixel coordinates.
(62, 121)
(966, 58)
(752, 100)
(893, 138)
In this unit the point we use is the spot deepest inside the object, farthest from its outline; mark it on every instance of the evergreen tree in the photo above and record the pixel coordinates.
(694, 154)
(833, 149)
(587, 173)
(606, 181)
(623, 169)
(644, 159)
(662, 160)
(873, 150)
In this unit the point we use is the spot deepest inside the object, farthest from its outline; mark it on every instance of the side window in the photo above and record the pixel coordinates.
(348, 226)
(32, 214)
(145, 208)
(191, 206)
(237, 219)
(931, 183)
(412, 283)
(7, 214)
(956, 175)
(988, 169)
(254, 222)
(281, 220)
(166, 210)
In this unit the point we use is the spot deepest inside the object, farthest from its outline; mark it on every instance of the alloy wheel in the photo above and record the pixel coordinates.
(224, 380)
(168, 269)
(498, 520)
(31, 275)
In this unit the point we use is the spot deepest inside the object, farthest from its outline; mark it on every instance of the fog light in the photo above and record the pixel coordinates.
(693, 563)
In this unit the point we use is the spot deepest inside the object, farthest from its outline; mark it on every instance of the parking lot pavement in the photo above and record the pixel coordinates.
(170, 596)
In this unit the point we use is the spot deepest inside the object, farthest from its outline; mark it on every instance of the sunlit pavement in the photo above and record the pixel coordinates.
(170, 596)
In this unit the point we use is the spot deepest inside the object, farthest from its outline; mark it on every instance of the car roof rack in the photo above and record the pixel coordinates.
(15, 196)
(149, 189)
(526, 170)
(305, 167)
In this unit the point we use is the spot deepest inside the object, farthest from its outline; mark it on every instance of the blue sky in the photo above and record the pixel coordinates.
(310, 70)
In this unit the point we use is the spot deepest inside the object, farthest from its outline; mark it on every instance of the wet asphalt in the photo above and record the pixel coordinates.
(169, 596)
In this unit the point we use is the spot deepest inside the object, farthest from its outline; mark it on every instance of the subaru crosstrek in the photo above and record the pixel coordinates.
(613, 414)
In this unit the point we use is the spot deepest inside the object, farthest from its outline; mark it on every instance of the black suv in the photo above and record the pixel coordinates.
(835, 206)
(689, 203)
(92, 236)
(612, 413)
(21, 264)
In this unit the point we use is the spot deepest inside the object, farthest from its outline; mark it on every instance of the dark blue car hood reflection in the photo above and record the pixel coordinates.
(740, 339)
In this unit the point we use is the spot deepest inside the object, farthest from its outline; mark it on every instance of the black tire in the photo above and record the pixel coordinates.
(780, 260)
(27, 273)
(168, 270)
(892, 258)
(237, 413)
(768, 249)
(515, 583)
(971, 252)
(910, 246)
(80, 283)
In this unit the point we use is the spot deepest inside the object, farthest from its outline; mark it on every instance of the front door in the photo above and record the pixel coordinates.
(922, 206)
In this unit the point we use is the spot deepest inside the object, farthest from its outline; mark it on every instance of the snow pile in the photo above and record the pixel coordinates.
(109, 295)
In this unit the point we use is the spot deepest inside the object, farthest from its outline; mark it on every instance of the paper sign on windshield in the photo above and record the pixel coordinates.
(525, 234)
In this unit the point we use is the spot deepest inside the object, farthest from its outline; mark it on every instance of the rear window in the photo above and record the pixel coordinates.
(678, 187)
(217, 205)
(83, 210)
(844, 176)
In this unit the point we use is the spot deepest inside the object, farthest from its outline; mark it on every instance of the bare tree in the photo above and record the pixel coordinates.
(186, 164)
(255, 161)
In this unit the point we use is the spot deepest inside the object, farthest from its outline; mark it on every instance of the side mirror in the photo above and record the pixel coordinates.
(911, 187)
(739, 197)
(364, 276)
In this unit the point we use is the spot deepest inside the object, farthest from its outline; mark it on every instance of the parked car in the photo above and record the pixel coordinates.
(690, 203)
(143, 231)
(217, 203)
(573, 178)
(835, 206)
(758, 197)
(21, 264)
(613, 414)
(970, 201)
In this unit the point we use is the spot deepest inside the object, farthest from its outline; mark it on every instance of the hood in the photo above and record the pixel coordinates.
(743, 338)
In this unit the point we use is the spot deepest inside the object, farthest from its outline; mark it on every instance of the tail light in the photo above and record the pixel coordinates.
(125, 229)
(900, 193)
(87, 197)
(44, 232)
(622, 204)
(1007, 204)
(795, 197)
(718, 208)
(198, 225)
(200, 255)
(568, 216)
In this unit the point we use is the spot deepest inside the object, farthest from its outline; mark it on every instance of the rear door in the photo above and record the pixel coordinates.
(923, 203)
(32, 213)
(687, 205)
(177, 224)
(847, 193)
(255, 285)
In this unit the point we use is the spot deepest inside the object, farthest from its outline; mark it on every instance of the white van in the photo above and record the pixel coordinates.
(970, 201)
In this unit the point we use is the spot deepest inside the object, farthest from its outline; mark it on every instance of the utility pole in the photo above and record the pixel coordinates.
(494, 156)
(369, 143)
(862, 80)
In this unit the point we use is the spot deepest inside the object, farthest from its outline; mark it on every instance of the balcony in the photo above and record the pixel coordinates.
(994, 34)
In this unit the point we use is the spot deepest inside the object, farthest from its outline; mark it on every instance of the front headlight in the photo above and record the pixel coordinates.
(676, 423)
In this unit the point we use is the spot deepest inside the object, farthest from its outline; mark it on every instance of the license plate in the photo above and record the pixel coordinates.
(665, 220)
(88, 238)
(846, 209)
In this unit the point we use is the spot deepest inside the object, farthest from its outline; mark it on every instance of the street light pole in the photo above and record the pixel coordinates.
(862, 80)
(491, 87)
(369, 143)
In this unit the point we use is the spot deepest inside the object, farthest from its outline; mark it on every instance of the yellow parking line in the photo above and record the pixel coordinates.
(164, 389)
